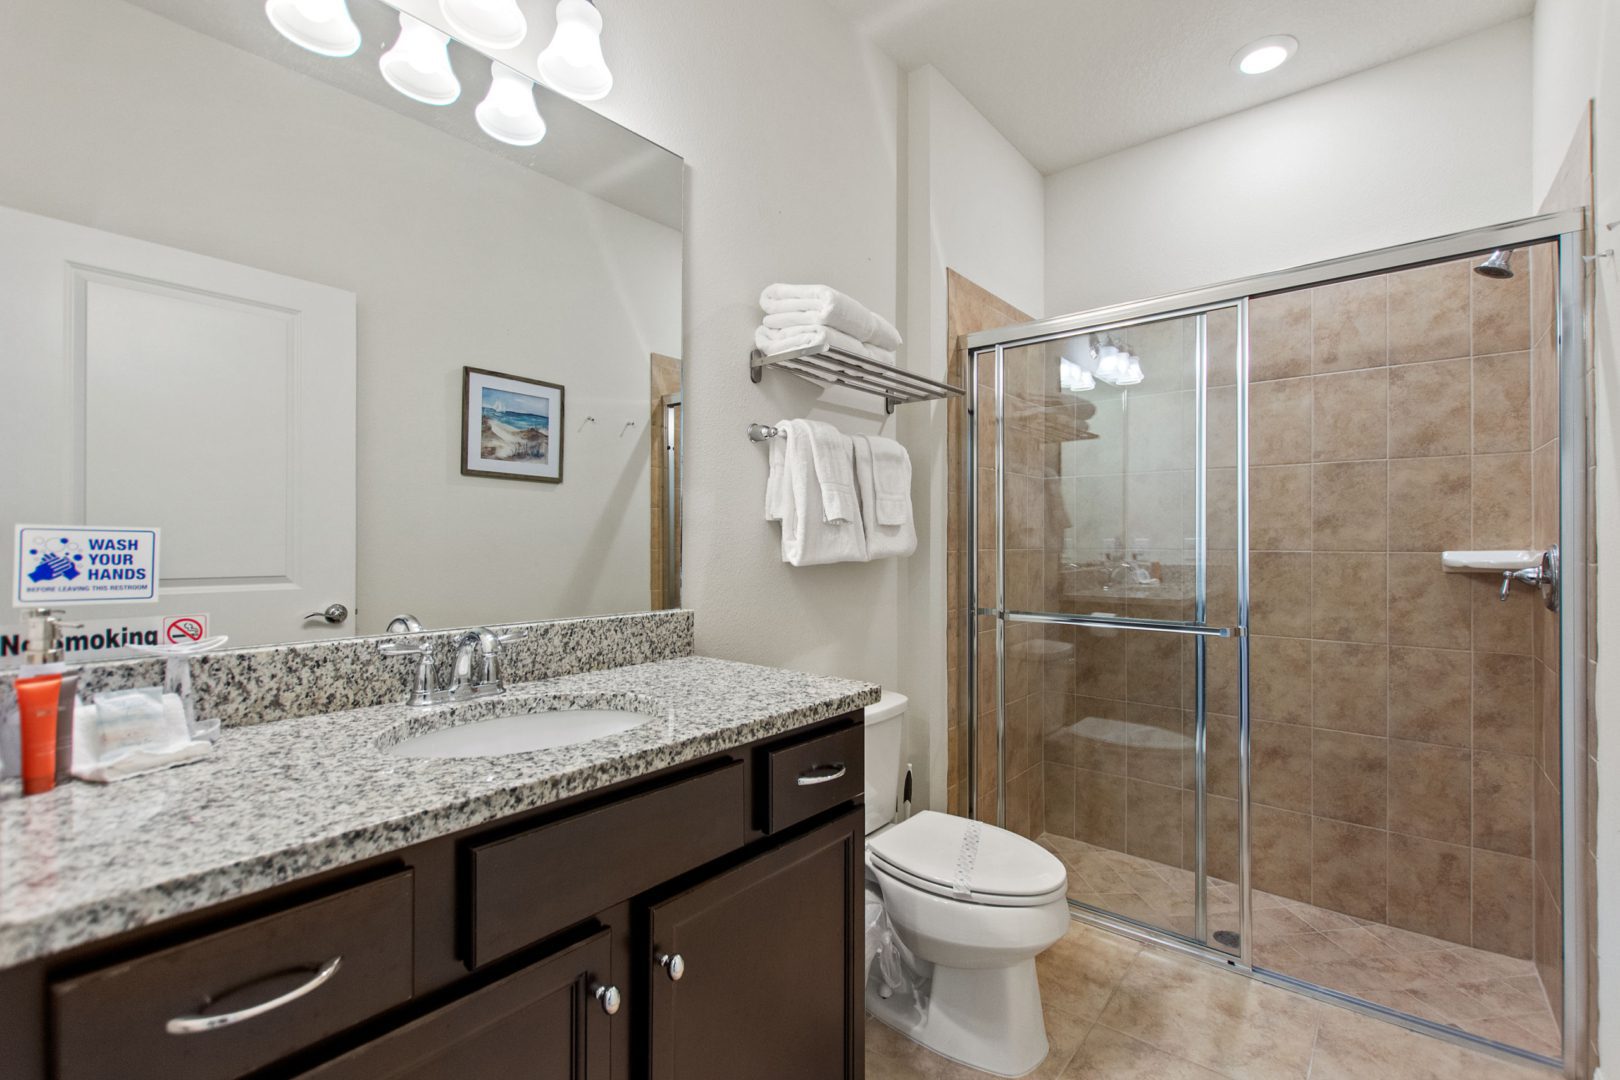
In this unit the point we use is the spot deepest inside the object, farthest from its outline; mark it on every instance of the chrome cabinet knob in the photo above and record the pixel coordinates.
(335, 614)
(674, 966)
(610, 999)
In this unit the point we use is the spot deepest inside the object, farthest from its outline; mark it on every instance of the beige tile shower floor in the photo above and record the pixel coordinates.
(1123, 1011)
(1480, 992)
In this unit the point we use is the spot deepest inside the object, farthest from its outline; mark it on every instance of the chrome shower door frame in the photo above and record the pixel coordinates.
(1568, 229)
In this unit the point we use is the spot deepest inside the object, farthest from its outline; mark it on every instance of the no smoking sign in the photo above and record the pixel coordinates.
(184, 629)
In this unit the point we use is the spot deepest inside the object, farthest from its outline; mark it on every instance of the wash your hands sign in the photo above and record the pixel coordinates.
(62, 565)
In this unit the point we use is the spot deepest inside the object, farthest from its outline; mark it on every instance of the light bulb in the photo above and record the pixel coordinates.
(1111, 364)
(1267, 54)
(486, 24)
(1073, 378)
(572, 64)
(321, 26)
(508, 112)
(418, 65)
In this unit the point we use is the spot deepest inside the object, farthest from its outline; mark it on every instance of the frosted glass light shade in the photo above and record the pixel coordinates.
(1073, 378)
(1112, 365)
(418, 65)
(573, 64)
(321, 26)
(486, 24)
(508, 111)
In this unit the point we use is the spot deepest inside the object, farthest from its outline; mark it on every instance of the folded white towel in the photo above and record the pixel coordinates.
(826, 306)
(808, 537)
(883, 474)
(770, 342)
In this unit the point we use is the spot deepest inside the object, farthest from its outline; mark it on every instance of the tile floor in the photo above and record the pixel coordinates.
(1123, 1011)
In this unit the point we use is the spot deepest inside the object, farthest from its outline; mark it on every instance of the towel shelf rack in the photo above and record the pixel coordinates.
(896, 386)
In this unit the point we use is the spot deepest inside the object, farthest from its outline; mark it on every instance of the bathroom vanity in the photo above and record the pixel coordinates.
(682, 900)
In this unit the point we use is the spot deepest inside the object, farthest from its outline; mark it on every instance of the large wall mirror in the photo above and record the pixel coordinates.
(343, 347)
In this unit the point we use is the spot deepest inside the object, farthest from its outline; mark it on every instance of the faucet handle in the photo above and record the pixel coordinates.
(423, 686)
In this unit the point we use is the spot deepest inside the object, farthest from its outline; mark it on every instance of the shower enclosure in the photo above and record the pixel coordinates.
(1216, 663)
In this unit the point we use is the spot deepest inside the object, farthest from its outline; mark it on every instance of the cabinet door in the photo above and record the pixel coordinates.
(770, 956)
(544, 1022)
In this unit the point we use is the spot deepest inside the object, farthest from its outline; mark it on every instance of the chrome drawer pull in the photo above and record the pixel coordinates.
(821, 775)
(609, 998)
(674, 966)
(191, 1025)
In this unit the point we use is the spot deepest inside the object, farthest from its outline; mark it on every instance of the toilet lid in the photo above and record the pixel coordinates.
(968, 859)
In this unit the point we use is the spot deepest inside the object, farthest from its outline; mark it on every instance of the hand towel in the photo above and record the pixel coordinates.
(770, 341)
(834, 456)
(827, 306)
(883, 475)
(808, 538)
(778, 493)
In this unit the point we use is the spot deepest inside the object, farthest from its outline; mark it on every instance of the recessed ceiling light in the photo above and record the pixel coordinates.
(1267, 54)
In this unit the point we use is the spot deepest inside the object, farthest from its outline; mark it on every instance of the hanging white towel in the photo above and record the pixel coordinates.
(778, 493)
(770, 341)
(834, 457)
(883, 475)
(826, 306)
(808, 537)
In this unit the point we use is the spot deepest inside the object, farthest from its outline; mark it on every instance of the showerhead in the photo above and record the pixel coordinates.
(1499, 265)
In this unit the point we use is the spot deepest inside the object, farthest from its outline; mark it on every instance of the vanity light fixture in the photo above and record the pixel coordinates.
(573, 64)
(1267, 54)
(418, 65)
(1073, 378)
(508, 111)
(1116, 366)
(321, 26)
(486, 24)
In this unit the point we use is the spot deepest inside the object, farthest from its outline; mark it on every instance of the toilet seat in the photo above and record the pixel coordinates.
(968, 861)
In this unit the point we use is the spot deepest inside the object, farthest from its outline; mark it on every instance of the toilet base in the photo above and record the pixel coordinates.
(986, 1018)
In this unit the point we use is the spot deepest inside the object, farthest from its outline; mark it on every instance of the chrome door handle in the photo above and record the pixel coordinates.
(335, 614)
(191, 1025)
(609, 998)
(674, 966)
(822, 774)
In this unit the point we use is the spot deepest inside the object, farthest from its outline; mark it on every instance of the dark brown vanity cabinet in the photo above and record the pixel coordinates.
(547, 1021)
(756, 972)
(702, 923)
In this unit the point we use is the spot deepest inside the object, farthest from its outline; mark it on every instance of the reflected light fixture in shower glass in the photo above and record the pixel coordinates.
(508, 111)
(573, 63)
(486, 24)
(321, 26)
(418, 65)
(1074, 378)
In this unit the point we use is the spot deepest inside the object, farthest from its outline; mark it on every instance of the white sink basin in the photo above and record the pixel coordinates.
(520, 734)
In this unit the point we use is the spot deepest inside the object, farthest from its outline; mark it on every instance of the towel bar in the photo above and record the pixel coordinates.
(896, 386)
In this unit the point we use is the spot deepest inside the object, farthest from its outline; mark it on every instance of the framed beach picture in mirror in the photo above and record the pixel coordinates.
(511, 427)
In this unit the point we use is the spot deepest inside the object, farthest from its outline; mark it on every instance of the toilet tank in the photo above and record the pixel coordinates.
(884, 729)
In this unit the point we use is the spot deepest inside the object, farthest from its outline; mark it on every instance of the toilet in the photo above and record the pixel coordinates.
(974, 905)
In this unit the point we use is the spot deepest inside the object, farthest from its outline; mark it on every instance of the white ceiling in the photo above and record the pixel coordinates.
(1070, 80)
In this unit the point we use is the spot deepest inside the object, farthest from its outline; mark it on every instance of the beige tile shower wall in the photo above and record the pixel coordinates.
(970, 308)
(1393, 704)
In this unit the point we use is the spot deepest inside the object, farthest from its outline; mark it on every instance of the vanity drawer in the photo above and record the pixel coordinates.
(806, 777)
(526, 887)
(330, 963)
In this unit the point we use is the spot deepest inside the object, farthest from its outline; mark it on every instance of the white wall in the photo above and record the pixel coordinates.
(973, 205)
(1430, 144)
(1577, 59)
(789, 123)
(136, 125)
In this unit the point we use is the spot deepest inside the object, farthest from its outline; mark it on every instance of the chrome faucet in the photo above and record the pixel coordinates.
(482, 645)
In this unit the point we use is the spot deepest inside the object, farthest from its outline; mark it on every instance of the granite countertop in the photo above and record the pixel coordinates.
(283, 800)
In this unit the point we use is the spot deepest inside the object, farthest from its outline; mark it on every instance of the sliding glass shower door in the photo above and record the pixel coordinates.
(1244, 655)
(1116, 591)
